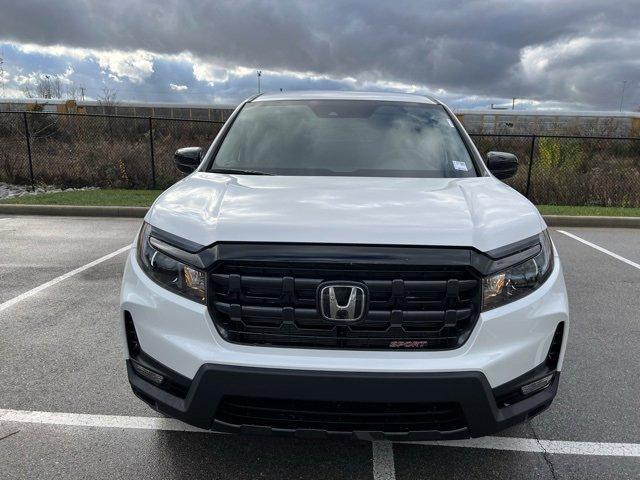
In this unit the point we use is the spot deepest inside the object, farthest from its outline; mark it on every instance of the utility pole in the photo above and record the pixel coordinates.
(2, 70)
(624, 85)
(259, 73)
(513, 103)
(82, 89)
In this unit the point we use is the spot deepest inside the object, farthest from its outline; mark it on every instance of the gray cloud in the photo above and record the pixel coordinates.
(569, 52)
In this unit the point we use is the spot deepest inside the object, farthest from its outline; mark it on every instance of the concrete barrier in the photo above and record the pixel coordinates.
(595, 221)
(73, 210)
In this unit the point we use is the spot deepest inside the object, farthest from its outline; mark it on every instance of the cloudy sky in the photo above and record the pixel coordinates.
(548, 54)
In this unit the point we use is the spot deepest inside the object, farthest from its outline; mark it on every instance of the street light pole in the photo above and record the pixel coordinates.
(259, 72)
(624, 85)
(2, 69)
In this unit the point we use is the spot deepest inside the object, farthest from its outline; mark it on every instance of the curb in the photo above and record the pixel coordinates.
(140, 212)
(585, 221)
(73, 210)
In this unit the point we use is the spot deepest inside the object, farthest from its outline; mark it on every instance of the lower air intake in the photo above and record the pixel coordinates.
(340, 416)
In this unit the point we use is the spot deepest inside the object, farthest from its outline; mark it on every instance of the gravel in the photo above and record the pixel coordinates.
(8, 190)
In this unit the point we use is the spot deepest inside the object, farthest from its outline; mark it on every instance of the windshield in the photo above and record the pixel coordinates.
(347, 138)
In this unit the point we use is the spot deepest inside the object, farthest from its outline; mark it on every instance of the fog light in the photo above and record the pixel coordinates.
(537, 385)
(147, 373)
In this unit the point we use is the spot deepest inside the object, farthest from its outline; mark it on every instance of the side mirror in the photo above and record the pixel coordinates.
(503, 165)
(187, 159)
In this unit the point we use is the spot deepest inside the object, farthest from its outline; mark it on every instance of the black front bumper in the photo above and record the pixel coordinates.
(213, 384)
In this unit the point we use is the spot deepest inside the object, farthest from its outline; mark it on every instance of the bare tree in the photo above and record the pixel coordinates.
(108, 100)
(45, 87)
(27, 90)
(73, 92)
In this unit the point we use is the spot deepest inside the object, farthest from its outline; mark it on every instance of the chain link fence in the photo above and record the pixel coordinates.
(568, 170)
(75, 150)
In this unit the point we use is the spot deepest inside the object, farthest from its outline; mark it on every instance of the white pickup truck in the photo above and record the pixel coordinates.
(344, 264)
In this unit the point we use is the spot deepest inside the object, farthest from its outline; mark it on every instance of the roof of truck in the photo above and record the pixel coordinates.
(344, 95)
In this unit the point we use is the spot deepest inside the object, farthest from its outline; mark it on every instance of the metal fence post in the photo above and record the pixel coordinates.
(153, 159)
(531, 153)
(28, 138)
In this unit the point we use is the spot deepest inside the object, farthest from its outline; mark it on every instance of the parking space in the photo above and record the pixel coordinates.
(417, 462)
(622, 241)
(63, 452)
(61, 354)
(598, 399)
(33, 250)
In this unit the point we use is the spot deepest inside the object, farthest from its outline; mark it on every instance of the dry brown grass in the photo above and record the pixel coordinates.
(73, 151)
(574, 171)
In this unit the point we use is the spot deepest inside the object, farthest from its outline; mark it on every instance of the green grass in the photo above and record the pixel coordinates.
(144, 198)
(589, 210)
(115, 198)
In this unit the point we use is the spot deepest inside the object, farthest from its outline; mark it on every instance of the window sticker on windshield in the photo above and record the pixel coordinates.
(450, 123)
(460, 166)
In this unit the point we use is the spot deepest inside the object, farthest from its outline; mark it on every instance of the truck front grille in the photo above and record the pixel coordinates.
(274, 304)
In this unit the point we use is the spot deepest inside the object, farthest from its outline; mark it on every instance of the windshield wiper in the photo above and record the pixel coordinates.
(239, 171)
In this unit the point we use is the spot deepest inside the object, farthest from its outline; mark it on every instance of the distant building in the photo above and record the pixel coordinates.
(517, 122)
(136, 109)
(526, 122)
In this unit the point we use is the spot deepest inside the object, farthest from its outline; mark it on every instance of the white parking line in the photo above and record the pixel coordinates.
(383, 458)
(544, 446)
(601, 249)
(383, 464)
(89, 420)
(50, 283)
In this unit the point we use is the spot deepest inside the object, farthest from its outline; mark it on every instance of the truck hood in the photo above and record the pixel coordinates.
(477, 212)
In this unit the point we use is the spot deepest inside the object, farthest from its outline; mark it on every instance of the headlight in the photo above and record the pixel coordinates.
(519, 280)
(169, 272)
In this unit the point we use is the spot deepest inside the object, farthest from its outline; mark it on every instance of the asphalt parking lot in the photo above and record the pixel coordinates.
(66, 409)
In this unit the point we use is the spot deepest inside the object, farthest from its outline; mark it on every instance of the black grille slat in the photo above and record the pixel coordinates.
(340, 416)
(272, 304)
(301, 410)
